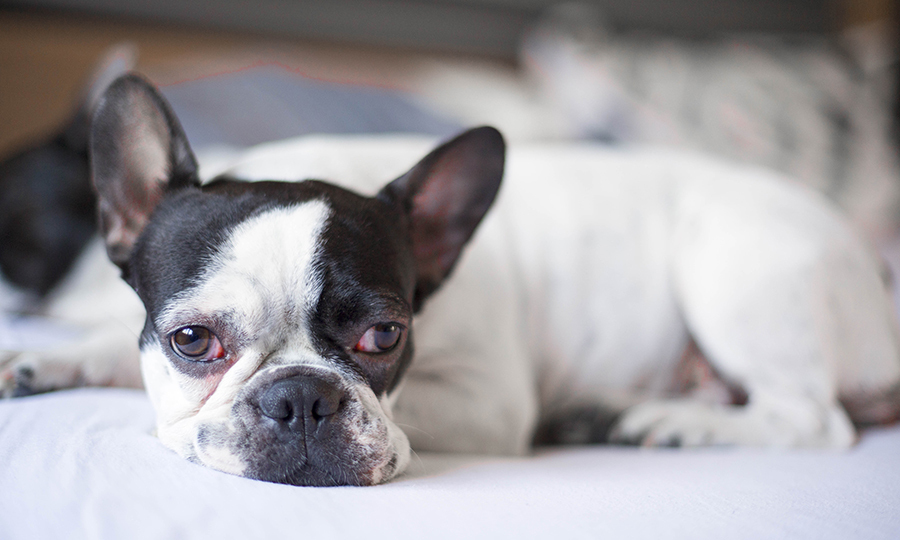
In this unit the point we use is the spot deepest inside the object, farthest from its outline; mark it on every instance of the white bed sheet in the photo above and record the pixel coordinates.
(83, 464)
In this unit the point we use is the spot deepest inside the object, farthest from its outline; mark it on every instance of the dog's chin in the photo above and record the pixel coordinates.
(261, 457)
(335, 474)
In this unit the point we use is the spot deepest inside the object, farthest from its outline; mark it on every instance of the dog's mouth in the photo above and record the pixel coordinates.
(303, 426)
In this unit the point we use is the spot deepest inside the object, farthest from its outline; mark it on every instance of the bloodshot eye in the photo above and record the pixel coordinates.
(381, 338)
(196, 343)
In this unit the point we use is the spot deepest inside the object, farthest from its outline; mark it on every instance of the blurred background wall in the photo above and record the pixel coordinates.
(47, 46)
(483, 26)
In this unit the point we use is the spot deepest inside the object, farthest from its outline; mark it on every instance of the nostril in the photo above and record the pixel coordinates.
(276, 402)
(326, 406)
(301, 400)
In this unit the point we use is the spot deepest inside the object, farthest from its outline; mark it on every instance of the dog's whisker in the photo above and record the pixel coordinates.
(420, 430)
(416, 455)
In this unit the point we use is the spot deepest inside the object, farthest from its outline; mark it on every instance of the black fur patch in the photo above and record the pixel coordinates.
(47, 213)
(589, 424)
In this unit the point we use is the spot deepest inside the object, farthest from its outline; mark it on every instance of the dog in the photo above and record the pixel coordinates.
(47, 211)
(303, 333)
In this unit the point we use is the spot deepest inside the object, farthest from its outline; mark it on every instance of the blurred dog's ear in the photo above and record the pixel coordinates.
(115, 62)
(139, 152)
(47, 205)
(445, 197)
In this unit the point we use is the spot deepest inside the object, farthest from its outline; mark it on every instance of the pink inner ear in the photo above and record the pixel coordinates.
(447, 194)
(131, 167)
(444, 190)
(145, 147)
(138, 152)
(122, 230)
(436, 207)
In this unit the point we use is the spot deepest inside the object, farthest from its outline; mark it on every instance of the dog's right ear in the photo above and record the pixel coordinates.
(139, 152)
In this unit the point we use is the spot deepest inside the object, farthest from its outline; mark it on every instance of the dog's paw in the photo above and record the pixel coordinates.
(678, 424)
(16, 378)
(775, 422)
(28, 373)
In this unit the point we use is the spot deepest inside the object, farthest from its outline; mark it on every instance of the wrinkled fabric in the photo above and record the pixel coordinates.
(84, 464)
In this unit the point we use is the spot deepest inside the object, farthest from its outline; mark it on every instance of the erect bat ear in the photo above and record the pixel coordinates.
(139, 153)
(445, 196)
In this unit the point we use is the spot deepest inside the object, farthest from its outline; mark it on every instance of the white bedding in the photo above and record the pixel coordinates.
(83, 464)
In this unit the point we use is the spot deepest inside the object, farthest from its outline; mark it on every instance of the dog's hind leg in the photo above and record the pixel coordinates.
(793, 314)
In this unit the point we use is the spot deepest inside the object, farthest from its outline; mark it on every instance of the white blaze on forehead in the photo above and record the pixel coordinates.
(262, 278)
(274, 252)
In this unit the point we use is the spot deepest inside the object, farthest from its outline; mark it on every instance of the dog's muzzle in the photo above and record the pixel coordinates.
(304, 425)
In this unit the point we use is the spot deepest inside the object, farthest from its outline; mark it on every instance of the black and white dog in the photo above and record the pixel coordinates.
(299, 332)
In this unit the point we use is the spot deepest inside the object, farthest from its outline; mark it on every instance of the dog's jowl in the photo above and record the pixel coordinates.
(302, 333)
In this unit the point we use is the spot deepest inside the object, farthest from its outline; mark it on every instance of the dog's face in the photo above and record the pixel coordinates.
(279, 315)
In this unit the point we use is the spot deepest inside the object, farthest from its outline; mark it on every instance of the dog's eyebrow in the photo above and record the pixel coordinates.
(390, 302)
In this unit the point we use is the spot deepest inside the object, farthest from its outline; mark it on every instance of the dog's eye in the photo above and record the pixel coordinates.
(197, 343)
(381, 338)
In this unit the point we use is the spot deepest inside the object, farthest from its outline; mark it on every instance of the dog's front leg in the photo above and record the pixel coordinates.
(471, 387)
(101, 358)
(452, 405)
(95, 299)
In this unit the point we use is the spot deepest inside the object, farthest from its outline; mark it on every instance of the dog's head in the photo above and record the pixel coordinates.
(279, 315)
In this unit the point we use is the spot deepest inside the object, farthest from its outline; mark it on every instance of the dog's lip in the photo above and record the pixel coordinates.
(200, 454)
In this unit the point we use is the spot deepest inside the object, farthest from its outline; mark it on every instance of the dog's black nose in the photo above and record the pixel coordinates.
(301, 402)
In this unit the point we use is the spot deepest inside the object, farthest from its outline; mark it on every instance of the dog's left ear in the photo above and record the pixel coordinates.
(139, 152)
(445, 197)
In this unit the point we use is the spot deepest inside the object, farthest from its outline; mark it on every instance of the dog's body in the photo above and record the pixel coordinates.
(594, 272)
(280, 316)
